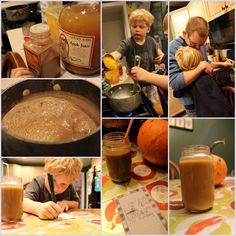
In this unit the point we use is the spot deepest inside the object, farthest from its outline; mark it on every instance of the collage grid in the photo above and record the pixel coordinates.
(112, 123)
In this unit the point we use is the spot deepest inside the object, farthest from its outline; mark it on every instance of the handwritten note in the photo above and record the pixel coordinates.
(66, 216)
(139, 213)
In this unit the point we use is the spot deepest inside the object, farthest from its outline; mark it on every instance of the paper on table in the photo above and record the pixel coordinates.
(66, 216)
(140, 214)
(74, 215)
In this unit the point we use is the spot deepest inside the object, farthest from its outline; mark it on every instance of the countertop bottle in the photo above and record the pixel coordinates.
(197, 178)
(41, 53)
(95, 196)
(79, 26)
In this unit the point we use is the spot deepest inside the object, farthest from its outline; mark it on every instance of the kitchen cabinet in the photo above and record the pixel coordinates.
(207, 10)
(178, 21)
(176, 108)
(25, 172)
(179, 18)
(115, 25)
(216, 9)
(197, 9)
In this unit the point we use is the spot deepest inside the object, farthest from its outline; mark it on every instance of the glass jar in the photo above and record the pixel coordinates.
(197, 178)
(42, 55)
(116, 149)
(12, 198)
(79, 26)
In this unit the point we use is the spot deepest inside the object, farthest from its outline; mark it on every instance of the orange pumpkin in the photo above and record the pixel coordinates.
(220, 169)
(153, 141)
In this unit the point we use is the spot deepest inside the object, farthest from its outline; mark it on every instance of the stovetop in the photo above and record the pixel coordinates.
(222, 77)
(144, 110)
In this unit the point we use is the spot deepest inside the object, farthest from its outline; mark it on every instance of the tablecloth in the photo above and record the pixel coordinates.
(219, 220)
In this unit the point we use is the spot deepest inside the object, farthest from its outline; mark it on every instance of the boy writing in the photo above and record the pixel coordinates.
(38, 195)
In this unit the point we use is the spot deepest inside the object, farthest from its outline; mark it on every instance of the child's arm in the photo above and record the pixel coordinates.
(222, 64)
(66, 205)
(159, 57)
(46, 210)
(191, 75)
(139, 73)
(117, 56)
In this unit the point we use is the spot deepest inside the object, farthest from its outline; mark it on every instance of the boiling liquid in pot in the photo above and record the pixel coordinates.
(121, 93)
(52, 117)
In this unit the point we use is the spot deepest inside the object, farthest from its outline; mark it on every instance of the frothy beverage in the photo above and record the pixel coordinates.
(119, 166)
(197, 183)
(116, 150)
(12, 201)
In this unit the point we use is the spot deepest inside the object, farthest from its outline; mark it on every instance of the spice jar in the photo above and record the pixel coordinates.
(116, 149)
(12, 198)
(79, 26)
(41, 53)
(197, 178)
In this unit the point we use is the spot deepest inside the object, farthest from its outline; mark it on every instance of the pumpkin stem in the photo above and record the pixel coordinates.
(222, 141)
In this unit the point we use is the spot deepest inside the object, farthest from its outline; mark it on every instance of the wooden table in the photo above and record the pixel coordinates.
(219, 220)
(83, 222)
(154, 180)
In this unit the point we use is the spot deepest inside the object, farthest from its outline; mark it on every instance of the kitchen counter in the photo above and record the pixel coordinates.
(143, 175)
(75, 222)
(219, 220)
(176, 108)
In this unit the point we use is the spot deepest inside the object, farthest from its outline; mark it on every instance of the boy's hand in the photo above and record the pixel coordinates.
(49, 210)
(64, 206)
(206, 67)
(159, 57)
(138, 73)
(228, 63)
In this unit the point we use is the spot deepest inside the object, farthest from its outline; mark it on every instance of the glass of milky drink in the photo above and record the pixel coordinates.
(12, 198)
(197, 178)
(116, 149)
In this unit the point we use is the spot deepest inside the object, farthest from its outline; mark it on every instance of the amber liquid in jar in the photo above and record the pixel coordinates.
(116, 149)
(197, 178)
(12, 198)
(80, 38)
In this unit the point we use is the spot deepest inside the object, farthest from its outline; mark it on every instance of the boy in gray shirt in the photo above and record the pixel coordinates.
(38, 197)
(139, 44)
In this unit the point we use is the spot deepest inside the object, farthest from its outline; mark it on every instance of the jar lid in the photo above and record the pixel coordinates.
(39, 28)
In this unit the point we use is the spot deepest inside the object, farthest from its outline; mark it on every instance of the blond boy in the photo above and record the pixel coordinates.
(188, 58)
(208, 99)
(38, 196)
(195, 36)
(140, 44)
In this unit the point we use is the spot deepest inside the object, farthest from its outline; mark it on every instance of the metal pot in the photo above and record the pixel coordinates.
(121, 99)
(17, 13)
(87, 146)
